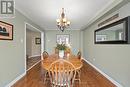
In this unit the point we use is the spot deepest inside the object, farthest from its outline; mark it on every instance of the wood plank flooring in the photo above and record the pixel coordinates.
(33, 60)
(89, 78)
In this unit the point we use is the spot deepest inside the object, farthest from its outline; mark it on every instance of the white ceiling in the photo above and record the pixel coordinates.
(45, 12)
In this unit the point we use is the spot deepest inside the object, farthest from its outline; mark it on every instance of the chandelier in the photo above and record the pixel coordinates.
(62, 22)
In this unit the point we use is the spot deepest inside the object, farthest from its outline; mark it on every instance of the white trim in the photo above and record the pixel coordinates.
(34, 65)
(33, 27)
(101, 12)
(42, 33)
(34, 56)
(20, 76)
(15, 80)
(25, 59)
(108, 77)
(26, 23)
(43, 43)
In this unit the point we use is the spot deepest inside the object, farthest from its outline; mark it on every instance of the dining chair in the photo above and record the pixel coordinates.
(56, 51)
(46, 75)
(79, 54)
(62, 73)
(45, 55)
(78, 71)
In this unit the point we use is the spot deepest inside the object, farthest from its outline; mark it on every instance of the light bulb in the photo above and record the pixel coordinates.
(64, 20)
(58, 20)
(68, 22)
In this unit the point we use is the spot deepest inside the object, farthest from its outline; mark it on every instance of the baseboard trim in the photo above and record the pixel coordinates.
(34, 65)
(33, 56)
(15, 80)
(105, 75)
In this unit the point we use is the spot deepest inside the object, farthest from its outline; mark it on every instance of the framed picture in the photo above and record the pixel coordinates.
(6, 31)
(37, 40)
(63, 38)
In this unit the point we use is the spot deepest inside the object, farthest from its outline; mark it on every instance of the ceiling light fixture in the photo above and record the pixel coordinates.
(62, 22)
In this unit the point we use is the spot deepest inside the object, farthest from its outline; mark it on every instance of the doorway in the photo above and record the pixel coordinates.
(33, 46)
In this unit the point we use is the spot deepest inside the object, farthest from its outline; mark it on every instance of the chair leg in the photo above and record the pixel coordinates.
(46, 76)
(42, 76)
(78, 75)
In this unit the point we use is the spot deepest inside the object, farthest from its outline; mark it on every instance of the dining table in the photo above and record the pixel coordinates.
(46, 63)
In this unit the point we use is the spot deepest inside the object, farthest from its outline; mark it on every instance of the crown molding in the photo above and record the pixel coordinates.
(103, 11)
(100, 13)
(25, 15)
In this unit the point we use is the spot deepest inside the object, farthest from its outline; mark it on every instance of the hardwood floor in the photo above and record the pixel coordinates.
(89, 78)
(33, 60)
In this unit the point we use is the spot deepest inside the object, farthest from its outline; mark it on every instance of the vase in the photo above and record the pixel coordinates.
(61, 53)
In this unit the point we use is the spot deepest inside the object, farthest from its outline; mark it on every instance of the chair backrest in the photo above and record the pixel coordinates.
(79, 55)
(62, 73)
(56, 51)
(45, 55)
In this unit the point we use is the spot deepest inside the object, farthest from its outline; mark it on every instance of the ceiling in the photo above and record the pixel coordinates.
(45, 12)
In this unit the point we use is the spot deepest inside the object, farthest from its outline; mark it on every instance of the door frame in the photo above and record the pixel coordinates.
(42, 42)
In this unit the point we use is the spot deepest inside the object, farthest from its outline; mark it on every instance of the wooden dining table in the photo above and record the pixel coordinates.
(54, 57)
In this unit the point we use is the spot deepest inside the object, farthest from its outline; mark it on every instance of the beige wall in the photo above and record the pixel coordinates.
(28, 42)
(50, 39)
(36, 48)
(112, 59)
(12, 59)
(32, 49)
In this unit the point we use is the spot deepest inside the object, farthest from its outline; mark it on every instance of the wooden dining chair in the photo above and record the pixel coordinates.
(45, 55)
(78, 71)
(56, 51)
(46, 75)
(79, 54)
(62, 73)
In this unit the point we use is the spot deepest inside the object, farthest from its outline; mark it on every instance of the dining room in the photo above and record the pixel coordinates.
(64, 43)
(63, 64)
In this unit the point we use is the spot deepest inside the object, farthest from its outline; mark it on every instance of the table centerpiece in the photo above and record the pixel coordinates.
(61, 48)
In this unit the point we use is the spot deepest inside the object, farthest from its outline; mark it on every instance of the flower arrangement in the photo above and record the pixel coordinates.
(61, 46)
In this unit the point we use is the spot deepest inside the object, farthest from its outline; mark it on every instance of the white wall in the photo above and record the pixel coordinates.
(50, 39)
(12, 59)
(113, 59)
(32, 49)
